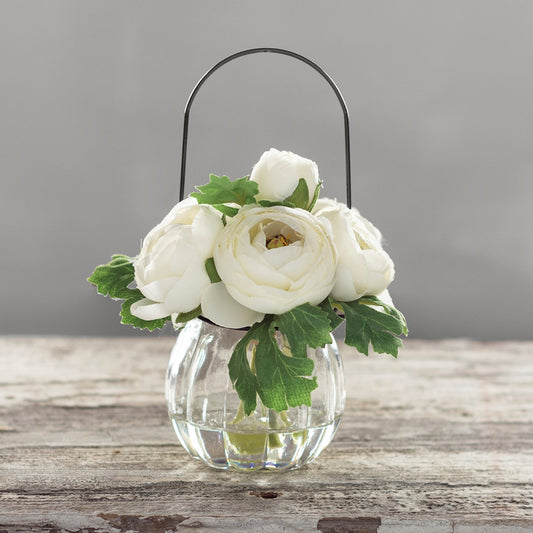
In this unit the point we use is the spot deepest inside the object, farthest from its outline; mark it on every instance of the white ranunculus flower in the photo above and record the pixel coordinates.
(363, 266)
(170, 269)
(277, 175)
(272, 259)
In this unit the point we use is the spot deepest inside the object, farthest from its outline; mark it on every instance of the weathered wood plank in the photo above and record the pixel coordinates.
(440, 439)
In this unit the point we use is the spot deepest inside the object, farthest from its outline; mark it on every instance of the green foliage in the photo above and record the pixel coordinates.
(366, 325)
(189, 315)
(280, 371)
(113, 280)
(269, 203)
(226, 210)
(374, 300)
(300, 195)
(329, 307)
(280, 380)
(211, 270)
(315, 196)
(305, 325)
(221, 190)
(240, 373)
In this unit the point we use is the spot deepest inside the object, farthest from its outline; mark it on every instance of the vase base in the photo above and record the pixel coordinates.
(274, 450)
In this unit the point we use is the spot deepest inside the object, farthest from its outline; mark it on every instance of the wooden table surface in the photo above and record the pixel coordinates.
(439, 440)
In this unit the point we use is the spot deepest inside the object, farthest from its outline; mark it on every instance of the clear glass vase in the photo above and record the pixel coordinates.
(208, 417)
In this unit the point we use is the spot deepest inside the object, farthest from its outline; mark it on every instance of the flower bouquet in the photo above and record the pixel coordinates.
(259, 272)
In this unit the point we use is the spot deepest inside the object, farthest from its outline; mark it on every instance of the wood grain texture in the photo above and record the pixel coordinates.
(439, 440)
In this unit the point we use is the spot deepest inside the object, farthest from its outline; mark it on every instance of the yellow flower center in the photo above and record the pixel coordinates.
(277, 241)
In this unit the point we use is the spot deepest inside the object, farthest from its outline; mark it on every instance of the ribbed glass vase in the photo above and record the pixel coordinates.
(208, 416)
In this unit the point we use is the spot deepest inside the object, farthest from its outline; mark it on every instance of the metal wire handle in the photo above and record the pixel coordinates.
(276, 51)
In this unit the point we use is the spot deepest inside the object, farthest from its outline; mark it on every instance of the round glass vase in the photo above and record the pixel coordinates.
(208, 416)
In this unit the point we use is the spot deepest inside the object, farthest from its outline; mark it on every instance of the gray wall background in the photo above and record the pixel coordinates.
(440, 97)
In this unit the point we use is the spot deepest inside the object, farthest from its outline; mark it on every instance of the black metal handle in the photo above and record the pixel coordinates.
(276, 51)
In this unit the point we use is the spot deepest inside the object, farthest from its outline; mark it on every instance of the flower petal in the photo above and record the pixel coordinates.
(385, 297)
(146, 309)
(157, 290)
(186, 293)
(222, 309)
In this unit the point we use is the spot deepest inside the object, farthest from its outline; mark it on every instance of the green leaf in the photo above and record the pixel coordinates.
(211, 270)
(300, 195)
(315, 196)
(241, 375)
(374, 300)
(329, 307)
(189, 315)
(221, 190)
(128, 318)
(269, 203)
(305, 325)
(113, 279)
(365, 326)
(226, 210)
(279, 380)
